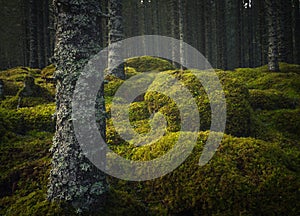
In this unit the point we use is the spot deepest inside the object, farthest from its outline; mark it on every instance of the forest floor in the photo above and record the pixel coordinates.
(255, 171)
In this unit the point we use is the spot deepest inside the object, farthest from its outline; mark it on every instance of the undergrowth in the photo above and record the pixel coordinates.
(255, 171)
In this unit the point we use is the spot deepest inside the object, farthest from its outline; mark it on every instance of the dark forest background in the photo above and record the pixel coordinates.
(230, 33)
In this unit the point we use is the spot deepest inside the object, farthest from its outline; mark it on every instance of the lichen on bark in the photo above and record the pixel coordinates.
(73, 177)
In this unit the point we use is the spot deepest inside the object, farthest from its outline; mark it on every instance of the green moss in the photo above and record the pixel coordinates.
(245, 175)
(30, 118)
(112, 136)
(17, 102)
(23, 98)
(122, 203)
(48, 72)
(138, 111)
(35, 203)
(11, 87)
(285, 120)
(287, 83)
(148, 63)
(239, 112)
(129, 72)
(14, 78)
(271, 99)
(284, 67)
(113, 83)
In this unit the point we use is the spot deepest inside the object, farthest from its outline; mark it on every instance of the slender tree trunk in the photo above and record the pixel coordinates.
(174, 28)
(40, 33)
(296, 31)
(208, 31)
(273, 40)
(221, 35)
(33, 43)
(46, 36)
(115, 34)
(181, 31)
(73, 178)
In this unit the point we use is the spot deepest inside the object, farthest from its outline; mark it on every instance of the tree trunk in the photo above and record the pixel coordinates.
(221, 35)
(73, 178)
(296, 32)
(181, 31)
(208, 31)
(115, 34)
(273, 40)
(33, 43)
(46, 32)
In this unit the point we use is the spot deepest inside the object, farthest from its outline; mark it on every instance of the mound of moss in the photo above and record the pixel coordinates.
(271, 99)
(239, 111)
(29, 118)
(286, 121)
(148, 63)
(245, 176)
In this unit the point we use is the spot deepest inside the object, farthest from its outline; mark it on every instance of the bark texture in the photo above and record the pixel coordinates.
(273, 35)
(33, 32)
(73, 178)
(115, 34)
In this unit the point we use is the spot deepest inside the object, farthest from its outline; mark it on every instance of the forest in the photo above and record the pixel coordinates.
(148, 107)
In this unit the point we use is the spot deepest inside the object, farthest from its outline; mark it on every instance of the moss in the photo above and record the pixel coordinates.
(17, 102)
(245, 175)
(112, 85)
(35, 203)
(284, 68)
(129, 72)
(48, 72)
(284, 120)
(287, 83)
(271, 99)
(11, 87)
(14, 78)
(148, 63)
(31, 118)
(123, 203)
(138, 111)
(239, 112)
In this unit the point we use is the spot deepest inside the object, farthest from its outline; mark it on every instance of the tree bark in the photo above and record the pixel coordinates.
(73, 178)
(33, 43)
(296, 32)
(181, 32)
(272, 37)
(115, 34)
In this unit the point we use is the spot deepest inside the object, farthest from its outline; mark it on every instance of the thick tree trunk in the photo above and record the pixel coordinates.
(273, 37)
(115, 34)
(73, 177)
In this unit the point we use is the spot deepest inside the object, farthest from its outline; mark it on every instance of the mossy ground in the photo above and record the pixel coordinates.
(256, 170)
